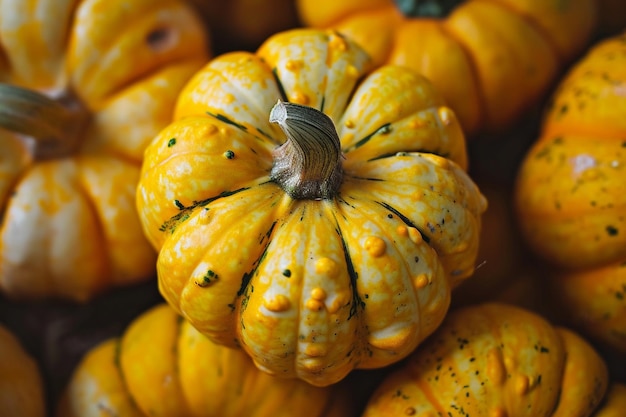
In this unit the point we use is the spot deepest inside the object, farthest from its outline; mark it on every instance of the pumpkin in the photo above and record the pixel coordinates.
(245, 24)
(569, 193)
(495, 359)
(614, 403)
(77, 108)
(491, 60)
(333, 249)
(592, 300)
(569, 196)
(162, 366)
(21, 385)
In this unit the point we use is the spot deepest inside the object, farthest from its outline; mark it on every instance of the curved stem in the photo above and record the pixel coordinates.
(52, 124)
(426, 8)
(308, 164)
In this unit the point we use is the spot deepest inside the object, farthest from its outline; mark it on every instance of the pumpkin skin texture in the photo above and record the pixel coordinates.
(494, 359)
(569, 196)
(614, 402)
(311, 288)
(569, 193)
(21, 385)
(69, 227)
(121, 376)
(491, 60)
(592, 301)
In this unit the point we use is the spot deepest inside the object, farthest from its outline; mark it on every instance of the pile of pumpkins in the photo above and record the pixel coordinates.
(457, 247)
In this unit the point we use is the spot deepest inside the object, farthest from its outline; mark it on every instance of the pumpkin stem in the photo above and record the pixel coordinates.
(426, 8)
(308, 164)
(53, 124)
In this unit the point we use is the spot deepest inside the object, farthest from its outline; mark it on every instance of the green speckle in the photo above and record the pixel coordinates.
(229, 154)
(179, 204)
(171, 142)
(612, 230)
(287, 272)
(208, 278)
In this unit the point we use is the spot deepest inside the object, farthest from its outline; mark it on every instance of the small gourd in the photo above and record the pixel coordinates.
(332, 249)
(495, 359)
(491, 60)
(84, 86)
(162, 366)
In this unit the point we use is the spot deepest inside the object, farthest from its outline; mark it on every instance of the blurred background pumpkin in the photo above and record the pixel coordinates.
(86, 85)
(569, 195)
(492, 60)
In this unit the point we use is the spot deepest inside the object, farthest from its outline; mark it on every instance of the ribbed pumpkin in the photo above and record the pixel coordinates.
(495, 360)
(491, 60)
(570, 199)
(333, 250)
(21, 385)
(87, 84)
(162, 366)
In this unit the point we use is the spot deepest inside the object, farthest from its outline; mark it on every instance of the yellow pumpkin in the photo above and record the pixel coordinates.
(494, 359)
(569, 196)
(86, 85)
(614, 403)
(340, 256)
(162, 366)
(21, 385)
(491, 60)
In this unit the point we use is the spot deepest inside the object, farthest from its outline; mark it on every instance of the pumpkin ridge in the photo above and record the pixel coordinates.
(532, 21)
(473, 66)
(404, 219)
(187, 211)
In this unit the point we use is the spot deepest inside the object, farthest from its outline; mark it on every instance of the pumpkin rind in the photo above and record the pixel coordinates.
(311, 288)
(491, 60)
(162, 366)
(614, 403)
(495, 359)
(69, 227)
(21, 384)
(569, 193)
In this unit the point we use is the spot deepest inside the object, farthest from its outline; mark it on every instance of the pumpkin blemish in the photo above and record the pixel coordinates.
(171, 142)
(375, 246)
(229, 154)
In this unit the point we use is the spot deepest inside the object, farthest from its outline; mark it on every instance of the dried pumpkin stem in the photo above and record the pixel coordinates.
(50, 122)
(308, 164)
(426, 8)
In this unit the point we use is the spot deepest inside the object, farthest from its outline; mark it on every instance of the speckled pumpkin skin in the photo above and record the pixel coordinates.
(162, 366)
(491, 60)
(311, 288)
(570, 195)
(495, 360)
(69, 227)
(21, 385)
